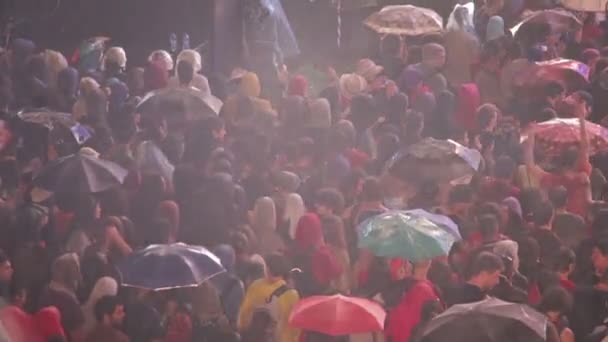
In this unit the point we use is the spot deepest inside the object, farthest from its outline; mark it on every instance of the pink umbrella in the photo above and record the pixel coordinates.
(556, 135)
(338, 315)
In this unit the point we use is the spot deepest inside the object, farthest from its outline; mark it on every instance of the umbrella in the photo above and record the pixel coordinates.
(337, 315)
(183, 104)
(436, 160)
(80, 172)
(557, 135)
(440, 220)
(561, 21)
(586, 5)
(573, 73)
(489, 320)
(405, 20)
(163, 267)
(401, 234)
(56, 121)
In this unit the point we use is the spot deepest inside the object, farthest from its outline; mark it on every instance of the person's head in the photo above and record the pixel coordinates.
(558, 195)
(329, 201)
(192, 57)
(460, 199)
(65, 270)
(185, 72)
(109, 311)
(543, 214)
(18, 292)
(556, 301)
(489, 227)
(162, 58)
(397, 109)
(277, 266)
(599, 256)
(485, 270)
(433, 55)
(6, 268)
(114, 60)
(371, 190)
(583, 98)
(309, 232)
(487, 116)
(553, 92)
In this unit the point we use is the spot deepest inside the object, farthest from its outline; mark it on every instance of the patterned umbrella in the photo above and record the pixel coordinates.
(586, 5)
(405, 20)
(574, 73)
(556, 135)
(402, 234)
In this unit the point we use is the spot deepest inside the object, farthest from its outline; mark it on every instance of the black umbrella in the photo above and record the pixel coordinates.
(491, 320)
(80, 172)
(163, 267)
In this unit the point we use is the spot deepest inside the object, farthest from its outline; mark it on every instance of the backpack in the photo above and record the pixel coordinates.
(271, 304)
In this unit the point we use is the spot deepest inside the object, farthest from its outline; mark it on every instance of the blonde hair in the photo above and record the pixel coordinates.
(117, 55)
(162, 58)
(88, 84)
(55, 62)
(192, 57)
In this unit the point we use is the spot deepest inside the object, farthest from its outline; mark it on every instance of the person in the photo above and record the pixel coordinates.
(333, 228)
(328, 202)
(198, 81)
(462, 46)
(110, 314)
(105, 286)
(489, 228)
(542, 232)
(61, 293)
(233, 289)
(488, 77)
(569, 227)
(556, 304)
(262, 328)
(564, 266)
(270, 289)
(263, 221)
(483, 276)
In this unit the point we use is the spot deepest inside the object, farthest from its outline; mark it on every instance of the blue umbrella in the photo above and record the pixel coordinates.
(163, 267)
(400, 234)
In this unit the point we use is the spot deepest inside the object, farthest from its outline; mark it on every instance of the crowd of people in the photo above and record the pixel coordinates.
(278, 182)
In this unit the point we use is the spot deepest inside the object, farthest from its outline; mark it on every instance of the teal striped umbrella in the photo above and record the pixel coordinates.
(402, 234)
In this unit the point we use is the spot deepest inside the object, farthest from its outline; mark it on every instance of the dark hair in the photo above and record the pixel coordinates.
(543, 213)
(558, 195)
(185, 72)
(488, 226)
(486, 113)
(553, 89)
(461, 193)
(363, 111)
(585, 97)
(565, 258)
(486, 262)
(397, 108)
(277, 265)
(106, 306)
(331, 198)
(486, 139)
(372, 190)
(505, 166)
(390, 45)
(555, 299)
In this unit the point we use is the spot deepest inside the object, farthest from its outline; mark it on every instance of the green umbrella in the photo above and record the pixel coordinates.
(401, 234)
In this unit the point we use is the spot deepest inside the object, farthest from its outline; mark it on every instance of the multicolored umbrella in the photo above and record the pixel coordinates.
(554, 136)
(164, 267)
(402, 234)
(434, 160)
(337, 315)
(489, 320)
(586, 5)
(574, 74)
(405, 20)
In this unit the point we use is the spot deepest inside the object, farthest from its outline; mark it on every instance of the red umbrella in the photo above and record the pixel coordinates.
(556, 135)
(573, 73)
(338, 315)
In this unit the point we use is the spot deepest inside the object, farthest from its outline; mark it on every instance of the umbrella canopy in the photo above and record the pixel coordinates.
(80, 172)
(440, 220)
(586, 5)
(561, 21)
(184, 104)
(557, 135)
(434, 160)
(490, 320)
(55, 121)
(163, 267)
(401, 234)
(337, 315)
(405, 20)
(573, 73)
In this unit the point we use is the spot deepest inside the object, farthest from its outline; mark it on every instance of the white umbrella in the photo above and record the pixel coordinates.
(586, 5)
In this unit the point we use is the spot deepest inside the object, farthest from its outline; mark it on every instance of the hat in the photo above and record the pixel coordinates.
(368, 69)
(351, 85)
(495, 28)
(320, 113)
